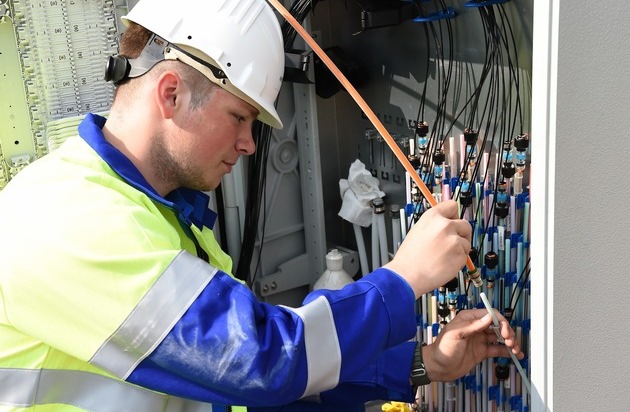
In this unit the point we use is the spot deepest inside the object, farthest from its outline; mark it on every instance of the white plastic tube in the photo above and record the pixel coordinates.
(462, 152)
(233, 203)
(497, 165)
(452, 151)
(513, 220)
(509, 260)
(403, 223)
(468, 400)
(513, 387)
(358, 234)
(489, 220)
(396, 228)
(450, 396)
(519, 258)
(478, 397)
(375, 252)
(484, 386)
(382, 238)
(518, 183)
(526, 222)
(490, 294)
(477, 204)
(486, 244)
(490, 374)
(486, 169)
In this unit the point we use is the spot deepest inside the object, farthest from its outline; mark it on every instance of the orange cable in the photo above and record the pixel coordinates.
(364, 106)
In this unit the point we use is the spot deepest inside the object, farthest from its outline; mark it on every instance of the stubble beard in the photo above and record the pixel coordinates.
(172, 170)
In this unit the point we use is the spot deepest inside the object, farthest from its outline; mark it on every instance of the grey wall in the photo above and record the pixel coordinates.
(591, 332)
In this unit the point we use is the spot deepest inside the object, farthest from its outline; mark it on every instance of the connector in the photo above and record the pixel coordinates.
(475, 277)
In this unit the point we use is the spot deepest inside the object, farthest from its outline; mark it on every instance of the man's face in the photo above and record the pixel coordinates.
(207, 141)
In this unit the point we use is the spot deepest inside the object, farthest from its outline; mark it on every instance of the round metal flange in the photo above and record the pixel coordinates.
(285, 156)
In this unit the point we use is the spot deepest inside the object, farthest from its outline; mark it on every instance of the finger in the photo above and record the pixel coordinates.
(474, 321)
(491, 337)
(466, 245)
(510, 344)
(498, 351)
(503, 351)
(500, 317)
(463, 229)
(471, 314)
(447, 209)
(506, 330)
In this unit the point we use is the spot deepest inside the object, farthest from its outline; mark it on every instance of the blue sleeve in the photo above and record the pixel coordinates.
(229, 348)
(386, 379)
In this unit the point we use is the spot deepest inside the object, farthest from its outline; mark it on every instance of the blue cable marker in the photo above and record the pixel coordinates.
(484, 3)
(435, 329)
(447, 13)
(500, 340)
(516, 403)
(493, 393)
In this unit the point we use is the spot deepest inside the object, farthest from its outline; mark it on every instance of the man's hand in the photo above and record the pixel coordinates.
(464, 342)
(434, 250)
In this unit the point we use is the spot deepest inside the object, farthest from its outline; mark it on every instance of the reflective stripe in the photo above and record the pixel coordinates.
(323, 356)
(29, 387)
(155, 315)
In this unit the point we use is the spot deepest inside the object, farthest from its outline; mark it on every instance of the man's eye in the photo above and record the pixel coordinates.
(240, 119)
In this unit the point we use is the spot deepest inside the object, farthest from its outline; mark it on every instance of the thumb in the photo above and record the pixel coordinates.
(474, 321)
(447, 208)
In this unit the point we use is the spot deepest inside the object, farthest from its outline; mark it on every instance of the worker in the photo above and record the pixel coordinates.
(114, 294)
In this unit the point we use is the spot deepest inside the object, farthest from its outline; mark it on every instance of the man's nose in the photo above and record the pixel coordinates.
(245, 144)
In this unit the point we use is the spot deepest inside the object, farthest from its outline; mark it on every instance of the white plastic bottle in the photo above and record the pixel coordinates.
(334, 277)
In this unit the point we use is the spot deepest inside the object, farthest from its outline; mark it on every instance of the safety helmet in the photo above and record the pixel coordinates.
(240, 37)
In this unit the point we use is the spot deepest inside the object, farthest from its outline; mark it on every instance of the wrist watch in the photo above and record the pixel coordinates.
(418, 371)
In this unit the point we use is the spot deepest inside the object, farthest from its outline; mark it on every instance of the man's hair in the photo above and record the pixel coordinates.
(132, 43)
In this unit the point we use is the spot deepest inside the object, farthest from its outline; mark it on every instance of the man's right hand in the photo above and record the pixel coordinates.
(434, 250)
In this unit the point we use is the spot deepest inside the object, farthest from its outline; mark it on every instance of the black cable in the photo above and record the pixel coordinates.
(255, 209)
(257, 177)
(221, 217)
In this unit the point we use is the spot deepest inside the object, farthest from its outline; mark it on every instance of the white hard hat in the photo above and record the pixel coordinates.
(240, 37)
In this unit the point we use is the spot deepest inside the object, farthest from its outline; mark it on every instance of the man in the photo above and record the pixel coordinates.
(115, 295)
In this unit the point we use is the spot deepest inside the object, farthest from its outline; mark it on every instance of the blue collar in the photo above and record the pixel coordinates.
(190, 205)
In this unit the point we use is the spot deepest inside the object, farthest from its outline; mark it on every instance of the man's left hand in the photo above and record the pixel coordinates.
(464, 342)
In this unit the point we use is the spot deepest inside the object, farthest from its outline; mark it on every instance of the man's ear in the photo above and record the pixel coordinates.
(171, 93)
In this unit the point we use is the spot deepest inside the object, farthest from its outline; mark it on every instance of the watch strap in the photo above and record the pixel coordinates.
(418, 373)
